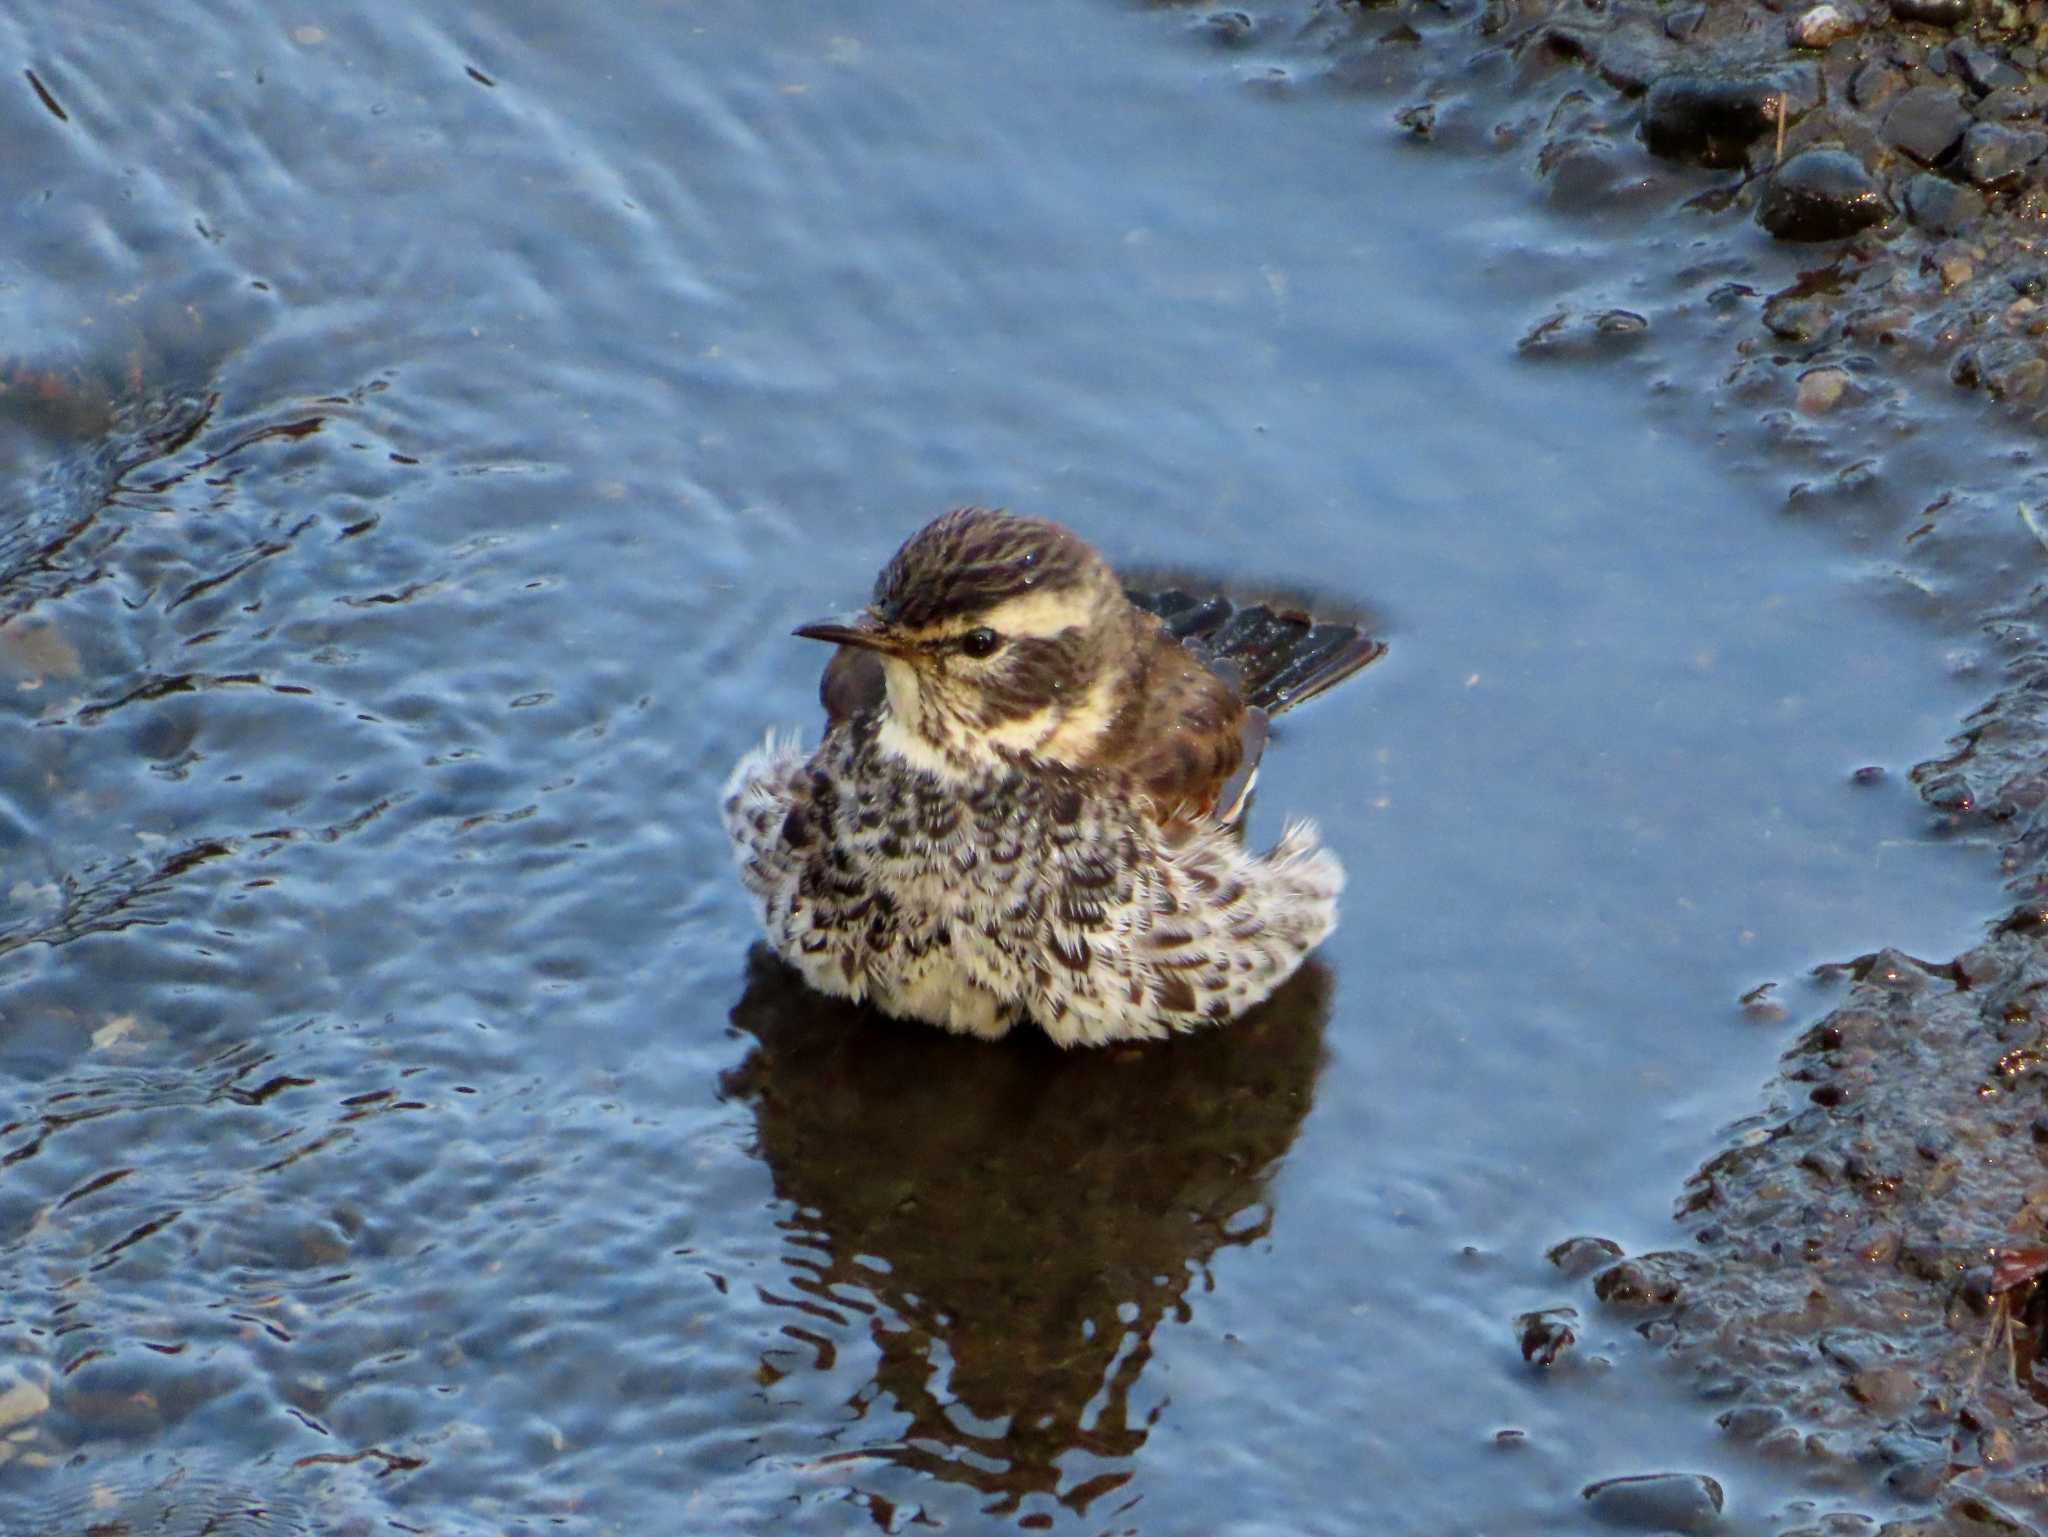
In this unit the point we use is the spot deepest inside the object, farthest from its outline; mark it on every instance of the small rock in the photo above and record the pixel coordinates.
(1995, 156)
(1822, 194)
(1547, 1334)
(1582, 1254)
(1657, 1502)
(1230, 29)
(1869, 774)
(1650, 1280)
(1956, 271)
(1940, 206)
(1888, 1390)
(2008, 103)
(1982, 70)
(1751, 1422)
(1921, 1480)
(1875, 84)
(1821, 390)
(1712, 120)
(22, 1401)
(1822, 25)
(1932, 13)
(1925, 123)
(1683, 22)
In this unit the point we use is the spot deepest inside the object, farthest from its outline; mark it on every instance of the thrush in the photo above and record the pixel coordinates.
(1029, 799)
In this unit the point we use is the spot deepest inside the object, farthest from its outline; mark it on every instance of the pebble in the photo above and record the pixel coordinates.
(1547, 1334)
(1821, 390)
(1984, 70)
(1995, 156)
(1582, 1254)
(1657, 1502)
(1821, 194)
(22, 1402)
(1712, 120)
(1933, 13)
(1940, 206)
(1925, 123)
(1822, 25)
(1875, 84)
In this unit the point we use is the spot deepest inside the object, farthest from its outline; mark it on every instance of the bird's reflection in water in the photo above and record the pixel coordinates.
(1009, 1223)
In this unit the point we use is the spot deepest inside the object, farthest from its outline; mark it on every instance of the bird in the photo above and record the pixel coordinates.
(1028, 803)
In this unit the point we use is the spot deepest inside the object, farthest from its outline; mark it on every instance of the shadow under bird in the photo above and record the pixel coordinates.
(1029, 801)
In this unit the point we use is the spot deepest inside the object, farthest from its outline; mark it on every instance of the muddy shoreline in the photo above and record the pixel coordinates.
(1857, 1288)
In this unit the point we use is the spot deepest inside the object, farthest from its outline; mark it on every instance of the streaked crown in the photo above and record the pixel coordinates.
(969, 561)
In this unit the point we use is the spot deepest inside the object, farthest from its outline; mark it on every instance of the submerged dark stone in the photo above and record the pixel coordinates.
(1712, 120)
(1821, 194)
(1995, 156)
(1933, 13)
(1657, 1502)
(1925, 123)
(1940, 206)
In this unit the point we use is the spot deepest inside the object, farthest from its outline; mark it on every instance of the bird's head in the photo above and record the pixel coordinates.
(997, 635)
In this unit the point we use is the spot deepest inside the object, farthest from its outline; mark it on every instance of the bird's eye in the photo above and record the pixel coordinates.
(981, 642)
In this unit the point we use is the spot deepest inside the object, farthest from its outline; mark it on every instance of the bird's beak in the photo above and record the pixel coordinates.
(863, 630)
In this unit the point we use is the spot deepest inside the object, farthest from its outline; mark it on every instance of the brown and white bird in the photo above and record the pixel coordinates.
(1029, 798)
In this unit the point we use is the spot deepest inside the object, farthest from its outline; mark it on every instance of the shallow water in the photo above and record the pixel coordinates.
(426, 428)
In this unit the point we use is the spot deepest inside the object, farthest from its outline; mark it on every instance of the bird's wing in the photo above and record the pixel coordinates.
(1278, 657)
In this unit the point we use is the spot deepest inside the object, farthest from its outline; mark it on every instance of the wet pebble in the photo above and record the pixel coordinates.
(1823, 25)
(22, 1398)
(1869, 774)
(1821, 390)
(1940, 206)
(1751, 1422)
(1821, 194)
(1933, 13)
(1926, 122)
(1713, 119)
(1582, 1254)
(1983, 70)
(1996, 156)
(1230, 29)
(1875, 84)
(1657, 1502)
(1651, 1280)
(1886, 1390)
(1547, 1334)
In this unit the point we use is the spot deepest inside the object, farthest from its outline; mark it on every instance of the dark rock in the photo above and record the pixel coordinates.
(1982, 70)
(2009, 102)
(1875, 84)
(1966, 1517)
(1657, 1502)
(1802, 319)
(1713, 119)
(1870, 774)
(1682, 23)
(1230, 29)
(1821, 194)
(1925, 123)
(1583, 1254)
(1547, 1334)
(1751, 1422)
(1933, 13)
(1940, 206)
(1995, 156)
(1652, 1280)
(1920, 1480)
